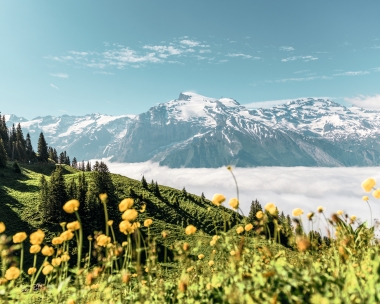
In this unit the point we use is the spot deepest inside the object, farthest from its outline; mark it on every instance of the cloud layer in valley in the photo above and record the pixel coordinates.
(287, 187)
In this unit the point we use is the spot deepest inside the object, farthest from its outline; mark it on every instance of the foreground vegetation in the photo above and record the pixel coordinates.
(155, 244)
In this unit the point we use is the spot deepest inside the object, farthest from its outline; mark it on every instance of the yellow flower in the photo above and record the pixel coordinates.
(126, 227)
(376, 193)
(2, 227)
(365, 198)
(232, 252)
(148, 222)
(136, 225)
(211, 263)
(47, 251)
(73, 226)
(19, 237)
(368, 184)
(190, 229)
(103, 197)
(130, 215)
(56, 262)
(297, 212)
(57, 240)
(12, 273)
(67, 235)
(201, 256)
(259, 214)
(32, 270)
(124, 244)
(229, 168)
(271, 208)
(353, 218)
(65, 257)
(37, 237)
(125, 204)
(310, 215)
(218, 199)
(339, 212)
(320, 209)
(164, 234)
(143, 208)
(71, 206)
(70, 301)
(239, 229)
(35, 249)
(103, 240)
(47, 269)
(248, 227)
(234, 203)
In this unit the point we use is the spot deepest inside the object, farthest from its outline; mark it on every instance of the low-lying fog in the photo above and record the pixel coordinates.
(287, 187)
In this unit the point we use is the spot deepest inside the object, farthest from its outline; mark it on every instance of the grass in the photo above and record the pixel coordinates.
(208, 265)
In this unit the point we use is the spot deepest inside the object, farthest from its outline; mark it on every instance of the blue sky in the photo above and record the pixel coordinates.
(122, 57)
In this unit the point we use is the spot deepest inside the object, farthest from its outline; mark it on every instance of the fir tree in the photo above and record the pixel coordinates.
(184, 192)
(88, 167)
(74, 163)
(144, 183)
(30, 155)
(57, 197)
(157, 190)
(62, 158)
(72, 192)
(3, 155)
(44, 199)
(67, 161)
(42, 149)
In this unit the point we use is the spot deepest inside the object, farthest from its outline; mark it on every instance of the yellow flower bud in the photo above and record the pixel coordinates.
(32, 270)
(376, 193)
(248, 227)
(297, 212)
(73, 226)
(310, 215)
(190, 229)
(218, 199)
(365, 198)
(126, 227)
(2, 227)
(368, 184)
(320, 209)
(47, 269)
(148, 222)
(110, 223)
(37, 237)
(65, 257)
(239, 229)
(211, 263)
(164, 234)
(19, 237)
(234, 203)
(56, 262)
(103, 240)
(71, 206)
(130, 215)
(103, 197)
(353, 218)
(271, 208)
(47, 251)
(259, 214)
(125, 204)
(12, 273)
(57, 240)
(67, 235)
(35, 249)
(339, 212)
(201, 256)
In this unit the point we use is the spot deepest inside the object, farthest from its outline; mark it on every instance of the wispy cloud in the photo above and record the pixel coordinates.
(272, 103)
(304, 58)
(60, 75)
(301, 72)
(367, 102)
(287, 48)
(356, 73)
(301, 79)
(103, 73)
(244, 56)
(53, 86)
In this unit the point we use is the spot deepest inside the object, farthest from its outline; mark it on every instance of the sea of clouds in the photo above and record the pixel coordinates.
(287, 187)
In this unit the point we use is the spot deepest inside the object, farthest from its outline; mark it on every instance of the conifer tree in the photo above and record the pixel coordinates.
(62, 158)
(72, 191)
(144, 183)
(74, 163)
(4, 132)
(88, 167)
(3, 155)
(16, 167)
(44, 199)
(184, 192)
(42, 149)
(157, 190)
(30, 154)
(67, 161)
(57, 197)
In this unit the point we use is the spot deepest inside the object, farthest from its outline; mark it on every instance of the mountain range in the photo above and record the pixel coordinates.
(198, 131)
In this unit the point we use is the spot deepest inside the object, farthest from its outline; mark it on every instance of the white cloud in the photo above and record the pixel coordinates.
(288, 188)
(60, 75)
(53, 86)
(123, 56)
(356, 73)
(204, 51)
(170, 50)
(103, 73)
(362, 101)
(272, 103)
(301, 79)
(79, 53)
(304, 58)
(287, 48)
(190, 43)
(301, 72)
(244, 56)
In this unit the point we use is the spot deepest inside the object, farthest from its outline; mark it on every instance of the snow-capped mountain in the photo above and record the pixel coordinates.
(84, 137)
(197, 131)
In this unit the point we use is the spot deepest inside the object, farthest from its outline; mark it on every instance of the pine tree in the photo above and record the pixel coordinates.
(42, 149)
(4, 132)
(30, 154)
(3, 155)
(72, 191)
(44, 200)
(255, 207)
(67, 161)
(57, 197)
(144, 183)
(74, 163)
(62, 158)
(157, 190)
(88, 167)
(184, 192)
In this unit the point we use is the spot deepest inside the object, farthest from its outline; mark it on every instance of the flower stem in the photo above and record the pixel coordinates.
(106, 217)
(22, 257)
(80, 240)
(370, 210)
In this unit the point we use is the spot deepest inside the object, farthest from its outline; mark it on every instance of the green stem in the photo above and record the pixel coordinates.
(33, 275)
(37, 275)
(106, 217)
(22, 258)
(370, 210)
(80, 240)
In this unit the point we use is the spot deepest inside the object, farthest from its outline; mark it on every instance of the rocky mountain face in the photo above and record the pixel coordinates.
(197, 131)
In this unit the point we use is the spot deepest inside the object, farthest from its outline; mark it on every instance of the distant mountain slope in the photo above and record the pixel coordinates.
(198, 131)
